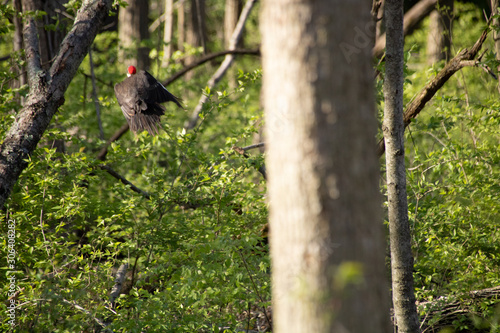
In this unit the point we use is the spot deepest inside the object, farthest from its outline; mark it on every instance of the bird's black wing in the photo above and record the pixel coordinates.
(157, 92)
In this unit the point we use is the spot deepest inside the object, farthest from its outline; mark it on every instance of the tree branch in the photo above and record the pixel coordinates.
(205, 59)
(117, 288)
(460, 61)
(46, 91)
(449, 309)
(124, 180)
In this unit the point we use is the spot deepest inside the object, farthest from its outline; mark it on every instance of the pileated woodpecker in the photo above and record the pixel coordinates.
(140, 96)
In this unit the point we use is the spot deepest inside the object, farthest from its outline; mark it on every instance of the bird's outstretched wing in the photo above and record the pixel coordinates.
(157, 92)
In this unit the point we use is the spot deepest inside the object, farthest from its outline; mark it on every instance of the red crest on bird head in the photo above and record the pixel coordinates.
(131, 70)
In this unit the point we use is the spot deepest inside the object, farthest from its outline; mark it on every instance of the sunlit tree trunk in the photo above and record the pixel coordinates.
(181, 22)
(168, 32)
(133, 26)
(231, 15)
(405, 311)
(440, 28)
(327, 243)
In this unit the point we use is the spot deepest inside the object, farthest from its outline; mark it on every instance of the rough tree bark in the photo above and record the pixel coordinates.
(403, 295)
(439, 38)
(327, 244)
(133, 23)
(47, 90)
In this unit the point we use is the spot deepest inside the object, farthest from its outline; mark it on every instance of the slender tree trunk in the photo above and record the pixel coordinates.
(168, 32)
(133, 23)
(181, 22)
(327, 244)
(195, 34)
(231, 14)
(405, 311)
(440, 29)
(496, 35)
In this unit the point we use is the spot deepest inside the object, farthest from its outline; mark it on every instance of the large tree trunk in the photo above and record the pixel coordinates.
(133, 23)
(46, 90)
(439, 38)
(405, 311)
(327, 243)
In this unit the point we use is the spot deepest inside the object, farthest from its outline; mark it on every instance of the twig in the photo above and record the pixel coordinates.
(94, 95)
(242, 151)
(118, 134)
(254, 287)
(217, 76)
(87, 312)
(115, 174)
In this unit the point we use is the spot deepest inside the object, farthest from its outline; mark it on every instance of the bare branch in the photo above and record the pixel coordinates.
(460, 61)
(205, 59)
(87, 312)
(124, 180)
(94, 95)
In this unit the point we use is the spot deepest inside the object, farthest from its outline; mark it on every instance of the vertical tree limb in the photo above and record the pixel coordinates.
(95, 96)
(46, 90)
(403, 295)
(217, 76)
